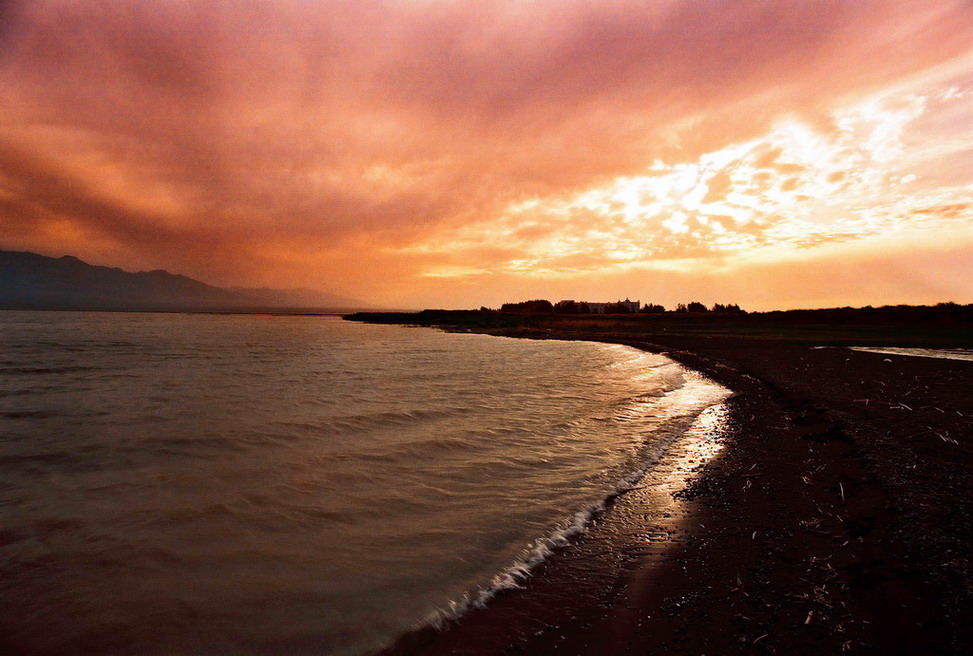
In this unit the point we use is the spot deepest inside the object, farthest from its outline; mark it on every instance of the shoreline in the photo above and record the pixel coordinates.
(834, 520)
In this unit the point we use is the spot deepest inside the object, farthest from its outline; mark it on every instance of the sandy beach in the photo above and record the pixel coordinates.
(836, 518)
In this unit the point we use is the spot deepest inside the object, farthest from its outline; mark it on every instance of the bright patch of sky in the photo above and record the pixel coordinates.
(862, 179)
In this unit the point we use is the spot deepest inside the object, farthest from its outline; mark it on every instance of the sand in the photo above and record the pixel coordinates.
(837, 518)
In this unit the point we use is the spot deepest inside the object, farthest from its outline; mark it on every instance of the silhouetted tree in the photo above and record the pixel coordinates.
(536, 306)
(696, 306)
(680, 307)
(730, 308)
(566, 307)
(650, 308)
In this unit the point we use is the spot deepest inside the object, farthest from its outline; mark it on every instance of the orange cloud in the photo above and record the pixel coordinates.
(387, 149)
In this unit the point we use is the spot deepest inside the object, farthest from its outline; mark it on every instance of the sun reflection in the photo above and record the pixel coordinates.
(683, 463)
(705, 439)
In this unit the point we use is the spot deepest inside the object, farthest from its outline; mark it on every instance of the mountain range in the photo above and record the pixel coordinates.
(32, 281)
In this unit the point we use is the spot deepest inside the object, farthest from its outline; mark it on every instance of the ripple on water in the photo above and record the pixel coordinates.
(363, 478)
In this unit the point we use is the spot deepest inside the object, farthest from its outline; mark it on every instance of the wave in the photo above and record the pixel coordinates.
(375, 420)
(516, 575)
(27, 414)
(27, 371)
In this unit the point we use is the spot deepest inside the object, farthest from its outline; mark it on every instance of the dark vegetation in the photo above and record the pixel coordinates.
(696, 307)
(541, 306)
(538, 306)
(943, 325)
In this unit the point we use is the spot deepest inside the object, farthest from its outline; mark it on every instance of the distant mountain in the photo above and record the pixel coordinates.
(32, 281)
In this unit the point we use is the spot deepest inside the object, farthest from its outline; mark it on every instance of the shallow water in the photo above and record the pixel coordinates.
(944, 354)
(202, 484)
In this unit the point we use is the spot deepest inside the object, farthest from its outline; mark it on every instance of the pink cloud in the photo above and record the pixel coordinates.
(261, 141)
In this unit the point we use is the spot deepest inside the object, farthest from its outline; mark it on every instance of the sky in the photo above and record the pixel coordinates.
(444, 153)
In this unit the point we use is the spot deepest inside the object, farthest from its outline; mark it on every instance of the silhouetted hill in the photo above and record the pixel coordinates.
(32, 281)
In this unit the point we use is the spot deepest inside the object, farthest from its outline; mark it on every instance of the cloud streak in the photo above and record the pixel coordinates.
(375, 147)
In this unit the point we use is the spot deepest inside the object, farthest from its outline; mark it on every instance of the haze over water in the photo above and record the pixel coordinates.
(203, 484)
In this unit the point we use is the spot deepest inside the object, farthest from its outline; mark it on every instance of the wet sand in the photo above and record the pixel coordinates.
(835, 517)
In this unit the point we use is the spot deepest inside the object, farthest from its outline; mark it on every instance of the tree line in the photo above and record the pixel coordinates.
(696, 306)
(542, 306)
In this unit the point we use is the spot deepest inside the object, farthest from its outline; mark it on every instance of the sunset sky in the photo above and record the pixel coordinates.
(445, 153)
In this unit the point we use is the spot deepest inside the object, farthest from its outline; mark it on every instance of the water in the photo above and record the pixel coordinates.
(943, 354)
(203, 484)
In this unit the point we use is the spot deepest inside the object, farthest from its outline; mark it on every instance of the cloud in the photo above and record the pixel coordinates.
(794, 188)
(305, 143)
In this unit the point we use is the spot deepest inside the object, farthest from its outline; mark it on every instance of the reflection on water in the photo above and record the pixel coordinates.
(702, 443)
(195, 484)
(945, 354)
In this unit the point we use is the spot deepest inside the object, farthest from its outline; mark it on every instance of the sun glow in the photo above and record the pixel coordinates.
(793, 191)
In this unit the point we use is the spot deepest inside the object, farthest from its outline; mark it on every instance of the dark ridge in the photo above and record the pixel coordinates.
(29, 281)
